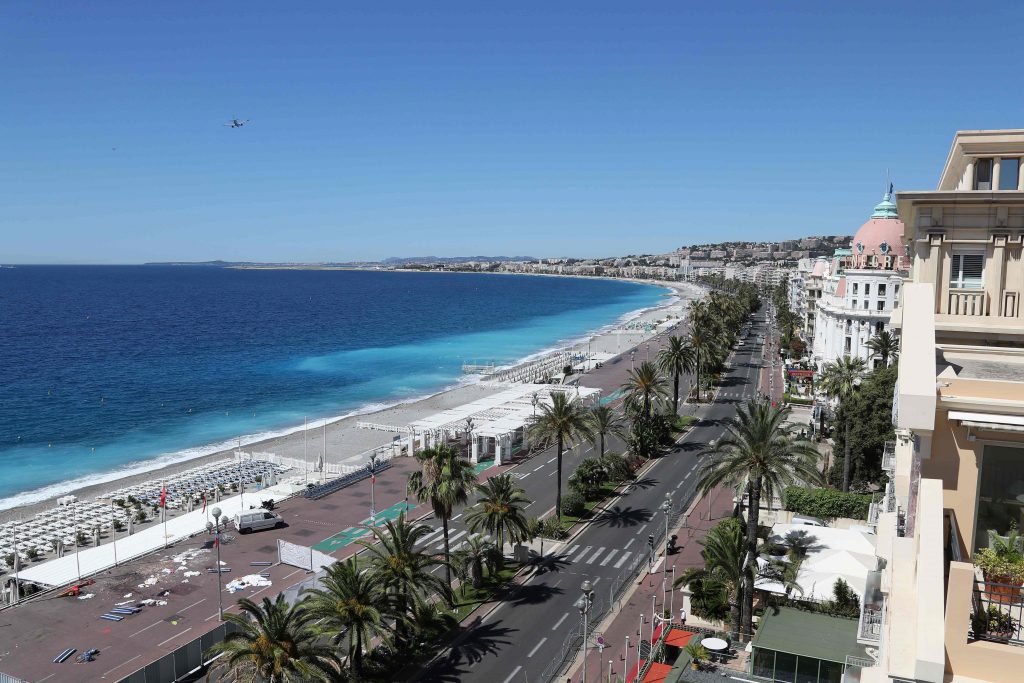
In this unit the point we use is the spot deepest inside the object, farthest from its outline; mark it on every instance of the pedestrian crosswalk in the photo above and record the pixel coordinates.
(601, 556)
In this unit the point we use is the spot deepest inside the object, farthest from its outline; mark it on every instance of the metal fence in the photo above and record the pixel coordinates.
(998, 612)
(183, 661)
(604, 602)
(4, 678)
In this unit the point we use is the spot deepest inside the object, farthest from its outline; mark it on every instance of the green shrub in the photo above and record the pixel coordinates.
(826, 503)
(573, 503)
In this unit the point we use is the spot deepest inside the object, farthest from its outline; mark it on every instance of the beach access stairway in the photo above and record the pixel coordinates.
(327, 488)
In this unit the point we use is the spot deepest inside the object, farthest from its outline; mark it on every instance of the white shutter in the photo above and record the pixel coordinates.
(973, 266)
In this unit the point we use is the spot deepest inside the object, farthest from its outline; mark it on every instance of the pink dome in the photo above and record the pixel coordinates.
(819, 269)
(881, 237)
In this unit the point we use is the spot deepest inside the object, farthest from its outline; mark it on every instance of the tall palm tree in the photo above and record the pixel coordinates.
(500, 510)
(724, 553)
(274, 642)
(704, 344)
(563, 420)
(604, 421)
(444, 479)
(676, 359)
(403, 571)
(350, 603)
(886, 345)
(758, 454)
(644, 387)
(840, 379)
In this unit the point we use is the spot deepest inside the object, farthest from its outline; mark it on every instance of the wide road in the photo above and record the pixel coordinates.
(518, 640)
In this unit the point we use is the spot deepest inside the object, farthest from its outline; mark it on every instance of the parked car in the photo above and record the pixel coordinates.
(257, 520)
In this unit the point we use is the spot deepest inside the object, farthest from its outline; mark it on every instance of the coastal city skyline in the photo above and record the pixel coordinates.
(588, 130)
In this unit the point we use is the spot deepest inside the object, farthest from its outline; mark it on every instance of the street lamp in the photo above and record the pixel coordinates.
(666, 507)
(585, 603)
(371, 465)
(210, 526)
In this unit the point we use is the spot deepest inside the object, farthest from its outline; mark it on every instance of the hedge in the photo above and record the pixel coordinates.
(574, 504)
(826, 503)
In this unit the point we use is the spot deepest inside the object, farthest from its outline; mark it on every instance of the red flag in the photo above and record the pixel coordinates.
(373, 478)
(163, 495)
(204, 502)
(216, 539)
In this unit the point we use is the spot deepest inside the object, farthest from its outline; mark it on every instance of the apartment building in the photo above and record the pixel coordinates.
(957, 465)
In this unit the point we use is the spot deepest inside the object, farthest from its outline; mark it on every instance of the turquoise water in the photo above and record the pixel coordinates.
(112, 370)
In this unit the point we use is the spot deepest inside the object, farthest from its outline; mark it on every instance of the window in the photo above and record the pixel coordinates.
(855, 303)
(966, 271)
(896, 290)
(983, 174)
(881, 304)
(879, 327)
(866, 304)
(1009, 174)
(848, 326)
(881, 290)
(847, 347)
(856, 285)
(1000, 482)
(867, 289)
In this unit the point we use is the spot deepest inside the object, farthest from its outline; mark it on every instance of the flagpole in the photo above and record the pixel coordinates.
(78, 564)
(324, 471)
(305, 461)
(163, 504)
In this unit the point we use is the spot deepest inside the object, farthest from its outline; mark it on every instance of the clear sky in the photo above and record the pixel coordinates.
(444, 128)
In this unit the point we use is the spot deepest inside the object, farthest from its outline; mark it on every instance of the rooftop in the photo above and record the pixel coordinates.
(809, 634)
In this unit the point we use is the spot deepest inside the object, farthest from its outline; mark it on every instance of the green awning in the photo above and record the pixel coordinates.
(808, 634)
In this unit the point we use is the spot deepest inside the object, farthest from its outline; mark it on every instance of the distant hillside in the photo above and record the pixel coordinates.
(408, 260)
(392, 261)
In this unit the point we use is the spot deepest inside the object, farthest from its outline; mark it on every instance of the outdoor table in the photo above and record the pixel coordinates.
(715, 644)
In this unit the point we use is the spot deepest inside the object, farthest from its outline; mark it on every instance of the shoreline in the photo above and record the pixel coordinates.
(338, 432)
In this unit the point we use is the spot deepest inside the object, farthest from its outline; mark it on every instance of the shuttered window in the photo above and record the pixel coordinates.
(967, 271)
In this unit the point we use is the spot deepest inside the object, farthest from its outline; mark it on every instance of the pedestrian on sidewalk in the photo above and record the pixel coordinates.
(682, 615)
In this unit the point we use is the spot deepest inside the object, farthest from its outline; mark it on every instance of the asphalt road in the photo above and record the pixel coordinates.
(518, 640)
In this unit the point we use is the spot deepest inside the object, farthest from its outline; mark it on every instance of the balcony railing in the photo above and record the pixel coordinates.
(968, 302)
(998, 609)
(872, 611)
(889, 458)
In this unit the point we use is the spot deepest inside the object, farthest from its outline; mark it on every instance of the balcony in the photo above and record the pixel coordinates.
(889, 455)
(968, 302)
(872, 612)
(997, 611)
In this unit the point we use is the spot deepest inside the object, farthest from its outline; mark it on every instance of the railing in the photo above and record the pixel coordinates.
(1011, 304)
(998, 609)
(5, 678)
(968, 302)
(889, 457)
(889, 499)
(872, 619)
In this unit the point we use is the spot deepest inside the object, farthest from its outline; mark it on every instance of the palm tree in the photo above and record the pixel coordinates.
(676, 359)
(563, 420)
(840, 379)
(604, 421)
(758, 453)
(886, 345)
(444, 479)
(589, 477)
(403, 571)
(274, 642)
(724, 553)
(702, 340)
(643, 388)
(476, 554)
(500, 510)
(350, 603)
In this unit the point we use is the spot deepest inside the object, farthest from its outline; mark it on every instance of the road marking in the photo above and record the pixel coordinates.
(622, 560)
(513, 674)
(609, 556)
(428, 538)
(105, 675)
(552, 460)
(192, 605)
(573, 549)
(174, 636)
(559, 622)
(529, 504)
(537, 646)
(457, 516)
(628, 544)
(551, 474)
(538, 469)
(149, 627)
(451, 539)
(596, 554)
(580, 556)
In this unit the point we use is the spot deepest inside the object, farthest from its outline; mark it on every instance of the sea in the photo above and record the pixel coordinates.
(107, 371)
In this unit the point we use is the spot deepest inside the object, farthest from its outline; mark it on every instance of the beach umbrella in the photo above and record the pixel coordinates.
(319, 463)
(131, 523)
(96, 536)
(60, 547)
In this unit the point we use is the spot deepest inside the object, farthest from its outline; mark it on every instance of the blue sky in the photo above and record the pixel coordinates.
(387, 129)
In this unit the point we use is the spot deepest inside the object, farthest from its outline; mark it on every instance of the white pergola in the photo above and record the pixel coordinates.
(494, 423)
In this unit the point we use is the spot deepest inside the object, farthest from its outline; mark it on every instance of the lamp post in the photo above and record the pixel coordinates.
(585, 602)
(210, 526)
(632, 355)
(666, 507)
(372, 465)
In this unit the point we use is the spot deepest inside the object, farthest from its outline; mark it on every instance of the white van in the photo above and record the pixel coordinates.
(257, 520)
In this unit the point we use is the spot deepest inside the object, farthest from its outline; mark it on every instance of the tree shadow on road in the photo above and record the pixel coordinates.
(645, 483)
(469, 647)
(533, 594)
(547, 563)
(617, 517)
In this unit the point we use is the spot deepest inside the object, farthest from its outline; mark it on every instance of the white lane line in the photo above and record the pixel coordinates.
(552, 460)
(529, 504)
(538, 469)
(597, 553)
(104, 675)
(582, 553)
(551, 474)
(537, 646)
(431, 536)
(628, 544)
(457, 516)
(622, 560)
(192, 605)
(149, 627)
(451, 539)
(513, 674)
(609, 556)
(559, 622)
(174, 636)
(573, 549)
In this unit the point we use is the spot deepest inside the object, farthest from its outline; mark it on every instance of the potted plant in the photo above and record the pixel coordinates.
(1002, 565)
(698, 654)
(993, 623)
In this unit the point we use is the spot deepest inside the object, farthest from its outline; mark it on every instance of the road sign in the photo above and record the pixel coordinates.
(600, 643)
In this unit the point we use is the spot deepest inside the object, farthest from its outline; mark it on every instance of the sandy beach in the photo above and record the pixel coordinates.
(346, 443)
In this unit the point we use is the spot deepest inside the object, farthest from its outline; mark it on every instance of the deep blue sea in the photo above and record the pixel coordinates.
(106, 370)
